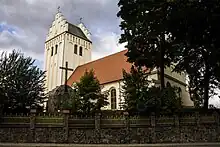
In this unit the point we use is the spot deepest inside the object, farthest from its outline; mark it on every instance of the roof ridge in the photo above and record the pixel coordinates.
(103, 57)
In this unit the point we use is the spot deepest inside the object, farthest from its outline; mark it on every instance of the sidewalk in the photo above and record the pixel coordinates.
(109, 145)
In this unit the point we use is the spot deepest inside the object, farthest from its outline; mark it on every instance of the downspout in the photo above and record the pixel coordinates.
(119, 94)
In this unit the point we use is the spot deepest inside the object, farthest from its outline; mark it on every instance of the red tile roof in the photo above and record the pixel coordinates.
(107, 69)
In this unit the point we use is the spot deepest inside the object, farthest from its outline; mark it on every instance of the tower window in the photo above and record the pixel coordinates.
(80, 51)
(75, 49)
(113, 99)
(56, 49)
(52, 51)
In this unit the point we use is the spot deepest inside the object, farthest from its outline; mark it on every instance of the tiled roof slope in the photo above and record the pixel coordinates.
(77, 31)
(107, 69)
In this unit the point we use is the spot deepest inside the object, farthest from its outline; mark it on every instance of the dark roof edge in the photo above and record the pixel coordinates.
(69, 33)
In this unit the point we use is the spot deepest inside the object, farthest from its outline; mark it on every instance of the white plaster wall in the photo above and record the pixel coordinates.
(75, 60)
(186, 101)
(181, 77)
(119, 98)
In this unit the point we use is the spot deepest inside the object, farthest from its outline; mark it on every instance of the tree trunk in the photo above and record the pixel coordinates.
(206, 88)
(162, 52)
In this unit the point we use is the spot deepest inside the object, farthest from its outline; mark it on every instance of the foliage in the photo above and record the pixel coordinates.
(134, 88)
(60, 100)
(144, 23)
(194, 26)
(89, 92)
(22, 83)
(139, 96)
(163, 101)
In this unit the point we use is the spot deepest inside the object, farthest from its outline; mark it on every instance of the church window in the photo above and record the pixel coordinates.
(79, 41)
(180, 92)
(52, 51)
(56, 49)
(80, 51)
(113, 99)
(75, 49)
(73, 39)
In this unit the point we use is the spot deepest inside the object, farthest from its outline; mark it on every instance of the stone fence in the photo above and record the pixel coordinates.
(66, 128)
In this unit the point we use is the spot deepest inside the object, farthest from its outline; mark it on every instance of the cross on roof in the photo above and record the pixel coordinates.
(58, 9)
(66, 69)
(80, 20)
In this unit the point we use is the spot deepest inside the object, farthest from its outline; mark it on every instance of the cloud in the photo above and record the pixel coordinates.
(29, 21)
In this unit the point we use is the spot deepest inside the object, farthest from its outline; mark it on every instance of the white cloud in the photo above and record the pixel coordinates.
(107, 43)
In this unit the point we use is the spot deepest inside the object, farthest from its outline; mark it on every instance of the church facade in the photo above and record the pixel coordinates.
(72, 43)
(65, 42)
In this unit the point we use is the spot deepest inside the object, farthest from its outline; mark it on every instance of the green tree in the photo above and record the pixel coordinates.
(195, 27)
(22, 83)
(90, 94)
(144, 25)
(134, 88)
(140, 96)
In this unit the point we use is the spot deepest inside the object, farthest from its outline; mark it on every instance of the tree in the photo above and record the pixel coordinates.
(142, 97)
(89, 91)
(194, 26)
(22, 83)
(134, 88)
(144, 23)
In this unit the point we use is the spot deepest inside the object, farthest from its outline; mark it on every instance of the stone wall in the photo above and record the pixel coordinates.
(65, 128)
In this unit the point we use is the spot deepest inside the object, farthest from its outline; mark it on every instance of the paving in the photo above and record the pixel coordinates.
(217, 144)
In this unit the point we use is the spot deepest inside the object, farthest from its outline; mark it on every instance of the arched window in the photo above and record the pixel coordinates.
(180, 92)
(80, 51)
(113, 99)
(75, 49)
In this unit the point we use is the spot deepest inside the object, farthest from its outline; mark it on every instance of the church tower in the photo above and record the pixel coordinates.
(65, 42)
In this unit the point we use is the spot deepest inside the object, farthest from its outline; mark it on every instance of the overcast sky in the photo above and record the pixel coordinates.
(25, 23)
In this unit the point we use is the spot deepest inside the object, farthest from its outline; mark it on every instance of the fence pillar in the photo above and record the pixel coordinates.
(127, 127)
(32, 125)
(217, 125)
(98, 126)
(197, 121)
(197, 118)
(66, 124)
(126, 121)
(153, 125)
(177, 127)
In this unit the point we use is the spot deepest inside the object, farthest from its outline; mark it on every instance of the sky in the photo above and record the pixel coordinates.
(25, 23)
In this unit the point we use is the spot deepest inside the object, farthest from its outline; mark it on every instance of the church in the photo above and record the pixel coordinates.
(72, 44)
